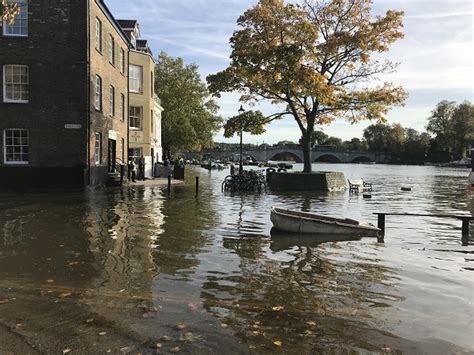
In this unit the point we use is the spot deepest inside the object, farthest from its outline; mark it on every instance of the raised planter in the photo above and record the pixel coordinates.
(317, 181)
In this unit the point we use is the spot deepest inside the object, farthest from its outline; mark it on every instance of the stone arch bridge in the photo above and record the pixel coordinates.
(319, 154)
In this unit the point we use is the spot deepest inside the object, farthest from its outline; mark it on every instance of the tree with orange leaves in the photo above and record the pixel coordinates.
(9, 11)
(314, 61)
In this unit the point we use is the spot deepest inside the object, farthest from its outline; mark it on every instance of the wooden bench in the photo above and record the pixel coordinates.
(464, 218)
(356, 186)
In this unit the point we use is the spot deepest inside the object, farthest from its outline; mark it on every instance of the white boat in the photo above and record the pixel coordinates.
(305, 222)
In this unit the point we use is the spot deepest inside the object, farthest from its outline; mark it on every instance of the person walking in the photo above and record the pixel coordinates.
(141, 168)
(132, 167)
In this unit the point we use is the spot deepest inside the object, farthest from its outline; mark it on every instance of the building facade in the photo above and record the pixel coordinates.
(64, 95)
(145, 107)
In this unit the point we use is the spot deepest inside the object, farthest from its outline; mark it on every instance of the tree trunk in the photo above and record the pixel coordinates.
(307, 153)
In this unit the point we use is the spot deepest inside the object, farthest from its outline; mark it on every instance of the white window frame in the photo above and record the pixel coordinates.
(5, 83)
(122, 61)
(111, 50)
(111, 101)
(138, 150)
(133, 115)
(22, 16)
(122, 107)
(98, 93)
(5, 146)
(136, 78)
(98, 148)
(98, 34)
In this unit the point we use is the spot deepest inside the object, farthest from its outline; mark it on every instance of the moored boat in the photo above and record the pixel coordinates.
(305, 222)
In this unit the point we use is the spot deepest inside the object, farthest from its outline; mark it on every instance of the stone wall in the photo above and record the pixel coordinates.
(318, 181)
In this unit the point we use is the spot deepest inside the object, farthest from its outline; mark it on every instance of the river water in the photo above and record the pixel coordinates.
(131, 269)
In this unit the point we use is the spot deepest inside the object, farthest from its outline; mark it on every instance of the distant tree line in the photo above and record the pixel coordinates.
(450, 131)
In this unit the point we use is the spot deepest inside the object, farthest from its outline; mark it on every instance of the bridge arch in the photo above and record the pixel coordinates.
(362, 159)
(327, 158)
(284, 155)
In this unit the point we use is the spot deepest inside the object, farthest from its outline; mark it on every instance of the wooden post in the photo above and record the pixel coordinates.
(169, 184)
(381, 223)
(465, 227)
(197, 185)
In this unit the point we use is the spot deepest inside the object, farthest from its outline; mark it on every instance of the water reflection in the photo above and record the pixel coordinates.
(138, 262)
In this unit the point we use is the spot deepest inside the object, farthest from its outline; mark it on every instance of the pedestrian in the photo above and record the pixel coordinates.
(141, 168)
(132, 169)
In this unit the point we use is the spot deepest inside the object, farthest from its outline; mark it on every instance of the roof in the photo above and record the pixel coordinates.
(142, 45)
(125, 24)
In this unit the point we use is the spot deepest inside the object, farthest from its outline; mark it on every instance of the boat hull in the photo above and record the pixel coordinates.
(302, 222)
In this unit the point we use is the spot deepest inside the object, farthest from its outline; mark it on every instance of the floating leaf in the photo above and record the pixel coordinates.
(181, 326)
(166, 338)
(386, 349)
(156, 346)
(223, 325)
(102, 333)
(65, 294)
(278, 343)
(189, 337)
(192, 307)
(67, 350)
(176, 349)
(50, 281)
(311, 323)
(122, 290)
(90, 320)
(278, 308)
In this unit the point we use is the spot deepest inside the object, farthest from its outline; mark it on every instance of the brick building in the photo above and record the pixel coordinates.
(63, 95)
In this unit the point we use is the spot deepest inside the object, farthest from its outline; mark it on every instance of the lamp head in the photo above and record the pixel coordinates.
(241, 110)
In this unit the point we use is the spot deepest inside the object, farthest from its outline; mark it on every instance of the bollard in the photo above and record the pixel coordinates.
(169, 184)
(197, 185)
(232, 169)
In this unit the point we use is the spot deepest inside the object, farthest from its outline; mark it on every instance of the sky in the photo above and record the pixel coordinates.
(436, 56)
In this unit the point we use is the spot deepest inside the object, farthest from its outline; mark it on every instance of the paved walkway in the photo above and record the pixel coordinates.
(155, 182)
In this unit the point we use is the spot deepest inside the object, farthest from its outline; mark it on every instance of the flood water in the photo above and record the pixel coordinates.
(120, 270)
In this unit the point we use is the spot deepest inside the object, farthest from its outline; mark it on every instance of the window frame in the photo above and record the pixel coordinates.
(16, 162)
(111, 101)
(122, 61)
(21, 101)
(122, 107)
(98, 35)
(135, 117)
(98, 93)
(112, 50)
(5, 25)
(133, 79)
(98, 148)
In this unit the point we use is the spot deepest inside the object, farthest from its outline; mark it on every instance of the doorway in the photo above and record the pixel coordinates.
(112, 155)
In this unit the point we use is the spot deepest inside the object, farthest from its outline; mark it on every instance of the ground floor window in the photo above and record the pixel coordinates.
(135, 152)
(16, 146)
(98, 148)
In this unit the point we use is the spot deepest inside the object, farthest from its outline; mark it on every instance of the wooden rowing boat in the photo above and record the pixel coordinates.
(305, 222)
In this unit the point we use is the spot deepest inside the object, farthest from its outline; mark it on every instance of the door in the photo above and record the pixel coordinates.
(112, 155)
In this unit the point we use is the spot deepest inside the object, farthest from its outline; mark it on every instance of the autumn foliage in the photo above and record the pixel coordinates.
(8, 11)
(314, 60)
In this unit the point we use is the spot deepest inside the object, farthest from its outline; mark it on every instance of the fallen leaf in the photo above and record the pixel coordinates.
(255, 332)
(311, 323)
(176, 349)
(386, 349)
(252, 347)
(49, 259)
(102, 333)
(124, 349)
(166, 338)
(65, 294)
(189, 337)
(122, 290)
(255, 326)
(109, 351)
(4, 301)
(67, 350)
(181, 326)
(19, 326)
(156, 346)
(192, 307)
(90, 320)
(223, 325)
(278, 343)
(73, 263)
(50, 281)
(278, 308)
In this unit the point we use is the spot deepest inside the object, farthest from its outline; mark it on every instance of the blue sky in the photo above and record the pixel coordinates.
(436, 55)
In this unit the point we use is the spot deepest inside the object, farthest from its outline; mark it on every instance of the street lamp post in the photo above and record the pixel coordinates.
(241, 163)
